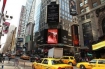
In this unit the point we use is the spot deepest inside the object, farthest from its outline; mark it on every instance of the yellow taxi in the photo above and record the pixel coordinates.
(98, 68)
(93, 63)
(69, 60)
(50, 63)
(25, 57)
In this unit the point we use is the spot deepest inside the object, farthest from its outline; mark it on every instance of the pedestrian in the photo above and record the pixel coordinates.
(16, 63)
(3, 57)
(9, 57)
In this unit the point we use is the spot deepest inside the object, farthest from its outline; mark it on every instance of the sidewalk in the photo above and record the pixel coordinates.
(7, 65)
(10, 65)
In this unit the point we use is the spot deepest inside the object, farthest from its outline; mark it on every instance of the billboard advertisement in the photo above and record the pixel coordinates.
(64, 36)
(75, 37)
(53, 14)
(6, 27)
(52, 37)
(72, 7)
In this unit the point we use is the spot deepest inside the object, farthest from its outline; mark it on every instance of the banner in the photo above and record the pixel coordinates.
(6, 27)
(72, 7)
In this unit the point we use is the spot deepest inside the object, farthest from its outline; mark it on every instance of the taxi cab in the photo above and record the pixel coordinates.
(50, 63)
(98, 68)
(25, 57)
(91, 64)
(69, 60)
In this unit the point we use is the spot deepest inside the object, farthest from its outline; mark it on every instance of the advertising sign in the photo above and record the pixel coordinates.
(98, 45)
(75, 37)
(64, 36)
(72, 7)
(53, 14)
(6, 27)
(20, 40)
(52, 37)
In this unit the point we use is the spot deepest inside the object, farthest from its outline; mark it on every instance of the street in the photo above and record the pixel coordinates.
(23, 64)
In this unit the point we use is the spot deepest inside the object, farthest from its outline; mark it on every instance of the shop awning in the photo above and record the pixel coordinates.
(98, 45)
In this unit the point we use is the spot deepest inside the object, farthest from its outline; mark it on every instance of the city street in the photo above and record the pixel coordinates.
(23, 64)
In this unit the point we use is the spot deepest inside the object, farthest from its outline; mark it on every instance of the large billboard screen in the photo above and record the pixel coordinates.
(53, 14)
(52, 37)
(72, 7)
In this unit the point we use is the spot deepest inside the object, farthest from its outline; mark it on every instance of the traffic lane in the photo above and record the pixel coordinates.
(74, 67)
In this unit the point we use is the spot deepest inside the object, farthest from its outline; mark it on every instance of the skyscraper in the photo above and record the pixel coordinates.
(65, 18)
(30, 22)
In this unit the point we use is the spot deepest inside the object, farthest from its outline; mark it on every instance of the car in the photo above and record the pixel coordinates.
(98, 68)
(50, 63)
(91, 64)
(34, 58)
(69, 60)
(25, 57)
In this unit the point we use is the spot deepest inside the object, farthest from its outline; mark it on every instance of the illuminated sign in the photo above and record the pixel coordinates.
(98, 45)
(52, 36)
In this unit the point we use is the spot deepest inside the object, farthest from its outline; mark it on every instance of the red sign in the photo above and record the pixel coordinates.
(6, 27)
(52, 36)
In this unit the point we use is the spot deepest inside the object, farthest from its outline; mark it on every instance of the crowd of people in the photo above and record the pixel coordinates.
(3, 57)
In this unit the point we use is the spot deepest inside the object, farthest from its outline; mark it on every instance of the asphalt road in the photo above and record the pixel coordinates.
(23, 64)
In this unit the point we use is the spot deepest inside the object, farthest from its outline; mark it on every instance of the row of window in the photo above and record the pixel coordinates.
(87, 16)
(83, 3)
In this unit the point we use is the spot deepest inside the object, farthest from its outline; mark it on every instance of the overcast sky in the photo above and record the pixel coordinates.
(13, 8)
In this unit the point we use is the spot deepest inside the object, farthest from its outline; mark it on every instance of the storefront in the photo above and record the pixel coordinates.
(99, 49)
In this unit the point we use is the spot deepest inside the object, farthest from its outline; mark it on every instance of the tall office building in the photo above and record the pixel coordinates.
(21, 30)
(91, 19)
(65, 18)
(30, 13)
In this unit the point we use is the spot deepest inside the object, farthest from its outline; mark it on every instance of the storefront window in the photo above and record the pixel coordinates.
(87, 33)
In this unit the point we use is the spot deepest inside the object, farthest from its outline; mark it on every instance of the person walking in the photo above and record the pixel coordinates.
(9, 57)
(3, 59)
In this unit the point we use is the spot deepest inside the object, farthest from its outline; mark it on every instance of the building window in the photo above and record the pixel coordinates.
(87, 9)
(87, 33)
(81, 4)
(82, 17)
(82, 10)
(85, 1)
(95, 4)
(87, 16)
(102, 1)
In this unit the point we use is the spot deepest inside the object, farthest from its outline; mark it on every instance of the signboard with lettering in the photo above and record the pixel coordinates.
(53, 14)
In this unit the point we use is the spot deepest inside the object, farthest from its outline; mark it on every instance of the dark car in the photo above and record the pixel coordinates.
(34, 58)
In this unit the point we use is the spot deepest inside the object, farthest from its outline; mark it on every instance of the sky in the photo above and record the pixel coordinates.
(13, 8)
